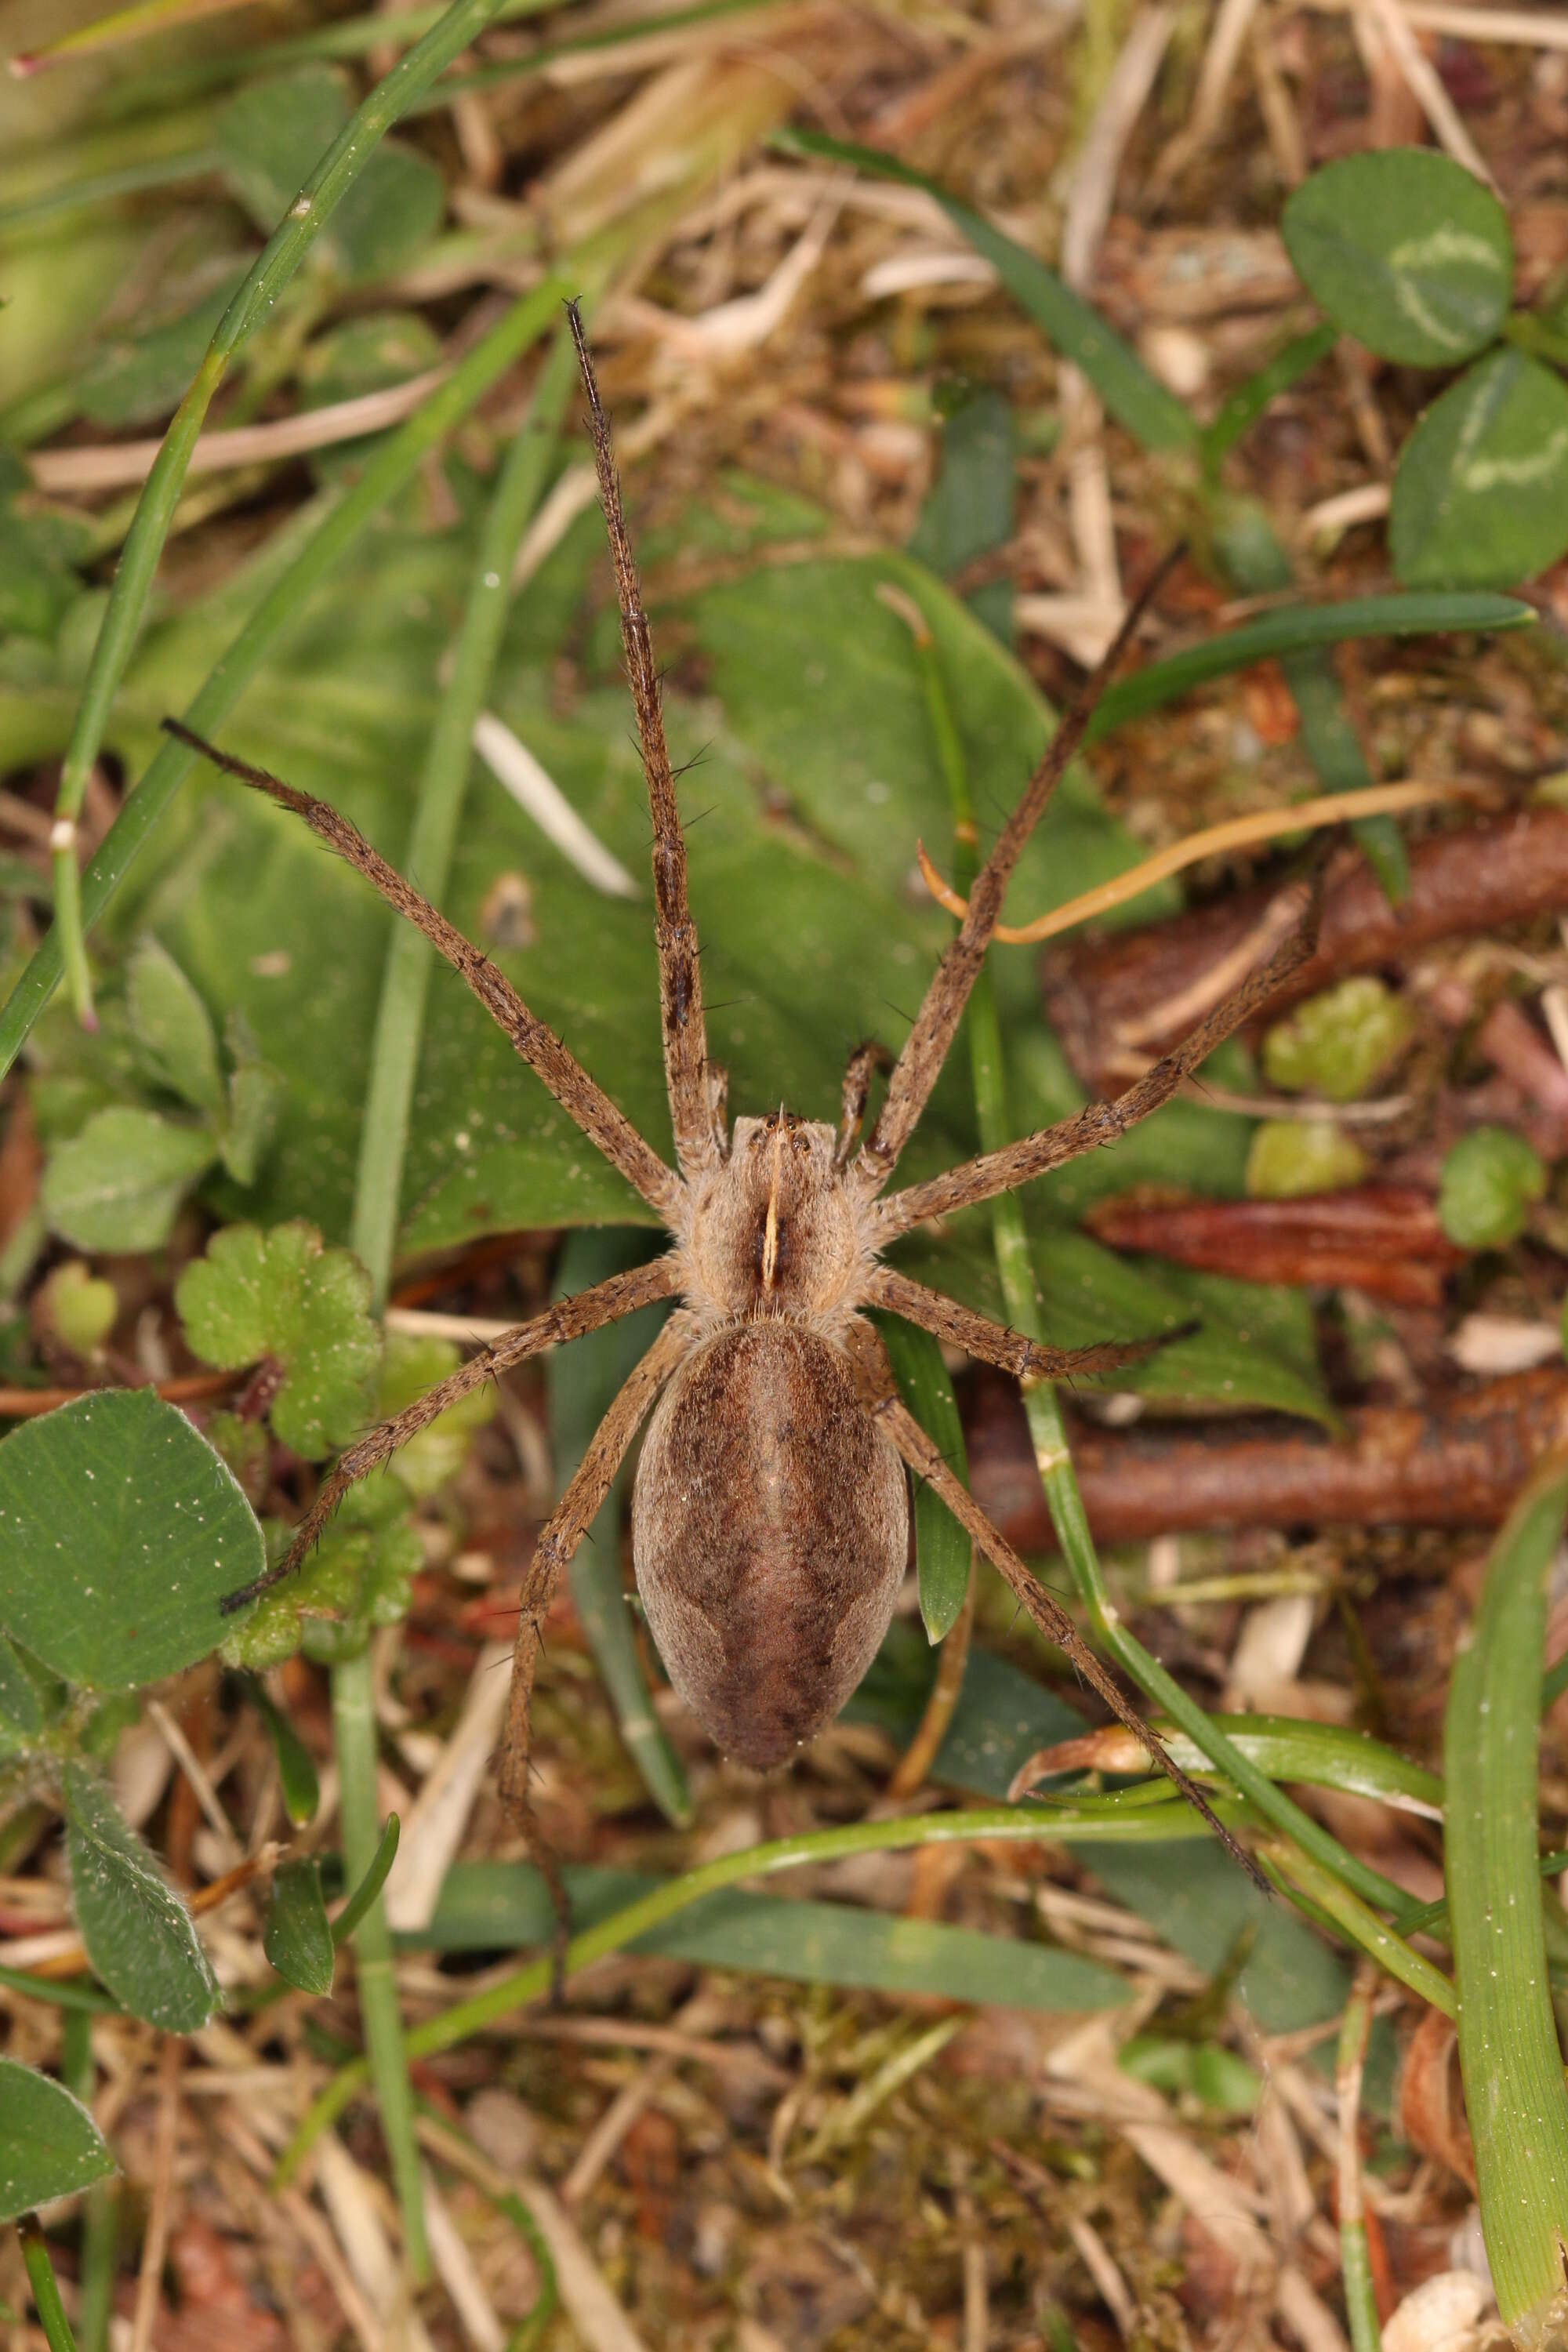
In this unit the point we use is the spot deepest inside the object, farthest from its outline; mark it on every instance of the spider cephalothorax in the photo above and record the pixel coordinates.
(769, 1512)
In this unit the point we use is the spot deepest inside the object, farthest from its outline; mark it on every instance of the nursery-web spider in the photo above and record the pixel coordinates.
(770, 1515)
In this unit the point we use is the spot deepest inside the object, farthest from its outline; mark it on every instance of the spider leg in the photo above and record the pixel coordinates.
(925, 1048)
(680, 968)
(925, 1460)
(1010, 1350)
(569, 1318)
(583, 1101)
(559, 1538)
(1097, 1123)
(863, 1061)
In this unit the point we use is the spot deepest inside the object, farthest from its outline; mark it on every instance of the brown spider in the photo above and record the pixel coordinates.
(770, 1515)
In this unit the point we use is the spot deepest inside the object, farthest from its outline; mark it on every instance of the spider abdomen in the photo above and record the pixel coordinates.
(770, 1525)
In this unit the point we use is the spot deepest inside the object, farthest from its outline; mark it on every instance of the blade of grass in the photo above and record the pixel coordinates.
(391, 466)
(1355, 2261)
(1138, 400)
(400, 1017)
(1252, 558)
(285, 250)
(444, 2138)
(944, 1553)
(1331, 1901)
(1509, 2053)
(1107, 1817)
(1296, 629)
(1015, 1265)
(371, 1885)
(383, 1137)
(354, 1746)
(1240, 410)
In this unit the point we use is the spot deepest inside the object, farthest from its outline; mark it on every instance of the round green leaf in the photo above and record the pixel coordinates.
(120, 1530)
(49, 2145)
(1406, 251)
(140, 1937)
(1481, 495)
(1488, 1183)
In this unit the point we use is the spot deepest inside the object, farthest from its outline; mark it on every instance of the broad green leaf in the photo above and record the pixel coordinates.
(172, 1027)
(273, 135)
(1480, 497)
(970, 509)
(1205, 2071)
(282, 1295)
(120, 1531)
(496, 1906)
(1072, 326)
(295, 1935)
(1405, 250)
(255, 1103)
(49, 2145)
(139, 1934)
(943, 1552)
(367, 354)
(118, 1185)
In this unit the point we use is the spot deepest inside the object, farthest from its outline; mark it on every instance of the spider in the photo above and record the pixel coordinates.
(770, 1513)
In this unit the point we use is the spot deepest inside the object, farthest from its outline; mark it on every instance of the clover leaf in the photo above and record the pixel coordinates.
(282, 1297)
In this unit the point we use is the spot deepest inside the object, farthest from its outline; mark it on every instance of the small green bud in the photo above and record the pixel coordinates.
(1489, 1180)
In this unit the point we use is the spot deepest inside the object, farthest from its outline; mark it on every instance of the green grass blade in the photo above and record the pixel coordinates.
(1508, 2053)
(1299, 628)
(400, 1017)
(1029, 1824)
(392, 465)
(944, 1553)
(281, 256)
(1138, 400)
(1240, 410)
(354, 1746)
(46, 2301)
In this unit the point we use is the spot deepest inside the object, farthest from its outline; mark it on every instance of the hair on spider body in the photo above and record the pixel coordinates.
(770, 1510)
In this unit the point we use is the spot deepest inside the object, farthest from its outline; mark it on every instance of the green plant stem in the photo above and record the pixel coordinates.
(400, 1018)
(1014, 1264)
(1327, 1895)
(354, 1742)
(1509, 2053)
(1101, 1819)
(371, 1885)
(46, 2292)
(100, 2207)
(281, 609)
(1355, 2263)
(284, 252)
